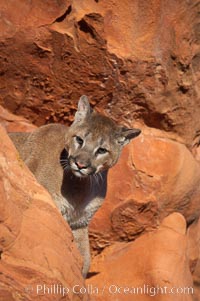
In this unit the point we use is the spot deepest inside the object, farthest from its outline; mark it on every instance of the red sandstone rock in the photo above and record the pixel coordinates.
(13, 123)
(194, 255)
(156, 262)
(155, 176)
(36, 245)
(135, 59)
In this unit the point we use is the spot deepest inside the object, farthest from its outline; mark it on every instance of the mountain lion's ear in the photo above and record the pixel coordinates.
(84, 109)
(127, 134)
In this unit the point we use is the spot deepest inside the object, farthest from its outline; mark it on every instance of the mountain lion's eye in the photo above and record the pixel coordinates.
(79, 140)
(101, 151)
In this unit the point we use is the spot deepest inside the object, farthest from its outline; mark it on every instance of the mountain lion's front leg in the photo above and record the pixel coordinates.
(82, 241)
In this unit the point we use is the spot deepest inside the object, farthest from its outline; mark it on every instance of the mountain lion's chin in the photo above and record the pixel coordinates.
(79, 174)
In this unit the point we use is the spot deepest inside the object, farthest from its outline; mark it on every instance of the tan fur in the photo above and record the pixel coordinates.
(72, 164)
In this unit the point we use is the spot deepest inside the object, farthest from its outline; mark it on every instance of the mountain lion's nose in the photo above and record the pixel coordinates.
(81, 165)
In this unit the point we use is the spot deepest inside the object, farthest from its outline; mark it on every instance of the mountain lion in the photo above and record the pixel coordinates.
(72, 164)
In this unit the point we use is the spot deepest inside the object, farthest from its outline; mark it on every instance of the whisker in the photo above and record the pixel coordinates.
(100, 176)
(65, 164)
(90, 180)
(66, 168)
(97, 179)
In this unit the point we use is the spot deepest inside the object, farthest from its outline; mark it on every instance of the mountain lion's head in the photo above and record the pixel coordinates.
(94, 142)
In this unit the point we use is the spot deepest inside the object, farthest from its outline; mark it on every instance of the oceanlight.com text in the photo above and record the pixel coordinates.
(113, 289)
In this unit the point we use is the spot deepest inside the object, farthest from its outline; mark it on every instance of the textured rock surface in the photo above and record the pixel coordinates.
(35, 242)
(155, 176)
(136, 59)
(194, 255)
(13, 123)
(157, 261)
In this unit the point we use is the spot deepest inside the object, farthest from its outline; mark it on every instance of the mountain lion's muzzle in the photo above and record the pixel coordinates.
(81, 167)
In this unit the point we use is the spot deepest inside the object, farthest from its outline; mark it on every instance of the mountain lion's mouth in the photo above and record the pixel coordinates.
(79, 173)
